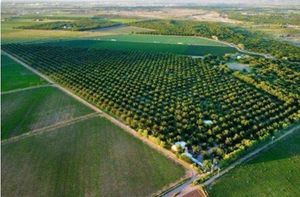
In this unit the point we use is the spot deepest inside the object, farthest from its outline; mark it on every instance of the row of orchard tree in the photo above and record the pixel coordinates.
(166, 96)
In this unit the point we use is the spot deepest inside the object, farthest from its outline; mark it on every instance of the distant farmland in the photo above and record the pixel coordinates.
(274, 172)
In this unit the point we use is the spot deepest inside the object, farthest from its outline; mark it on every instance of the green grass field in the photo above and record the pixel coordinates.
(163, 39)
(15, 76)
(89, 158)
(194, 50)
(274, 172)
(36, 108)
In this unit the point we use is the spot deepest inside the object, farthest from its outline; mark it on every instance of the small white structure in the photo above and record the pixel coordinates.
(189, 155)
(178, 145)
(207, 122)
(215, 37)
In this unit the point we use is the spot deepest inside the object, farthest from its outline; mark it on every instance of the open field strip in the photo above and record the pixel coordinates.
(50, 128)
(273, 172)
(180, 49)
(15, 76)
(163, 39)
(24, 111)
(90, 157)
(24, 89)
(126, 128)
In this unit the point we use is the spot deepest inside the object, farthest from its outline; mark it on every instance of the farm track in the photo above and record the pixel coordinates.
(250, 155)
(267, 56)
(28, 88)
(50, 128)
(167, 153)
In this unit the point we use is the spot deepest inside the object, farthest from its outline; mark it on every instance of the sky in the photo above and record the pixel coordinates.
(178, 2)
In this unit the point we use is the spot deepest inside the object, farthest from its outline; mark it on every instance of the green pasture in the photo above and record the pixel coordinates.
(15, 76)
(163, 39)
(36, 108)
(194, 50)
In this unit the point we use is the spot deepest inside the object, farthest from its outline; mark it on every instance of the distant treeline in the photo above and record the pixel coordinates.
(267, 18)
(79, 25)
(254, 41)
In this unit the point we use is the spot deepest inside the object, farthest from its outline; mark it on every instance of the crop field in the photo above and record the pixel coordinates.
(193, 50)
(166, 96)
(15, 76)
(32, 109)
(274, 172)
(164, 39)
(88, 158)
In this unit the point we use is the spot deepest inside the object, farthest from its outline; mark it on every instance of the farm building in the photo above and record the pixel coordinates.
(207, 122)
(178, 146)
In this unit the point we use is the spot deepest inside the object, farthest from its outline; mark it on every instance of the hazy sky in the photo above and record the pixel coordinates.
(176, 2)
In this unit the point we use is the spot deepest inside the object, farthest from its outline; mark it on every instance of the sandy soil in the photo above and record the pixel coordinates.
(174, 13)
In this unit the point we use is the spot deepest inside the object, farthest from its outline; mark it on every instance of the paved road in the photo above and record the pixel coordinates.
(182, 187)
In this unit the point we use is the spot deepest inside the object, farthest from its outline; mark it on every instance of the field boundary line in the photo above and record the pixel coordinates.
(28, 88)
(163, 151)
(250, 155)
(50, 128)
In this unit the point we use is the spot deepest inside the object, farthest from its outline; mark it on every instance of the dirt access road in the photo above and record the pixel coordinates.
(50, 128)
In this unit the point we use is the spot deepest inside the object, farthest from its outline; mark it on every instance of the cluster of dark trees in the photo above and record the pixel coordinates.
(279, 78)
(77, 25)
(166, 96)
(242, 37)
(262, 17)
